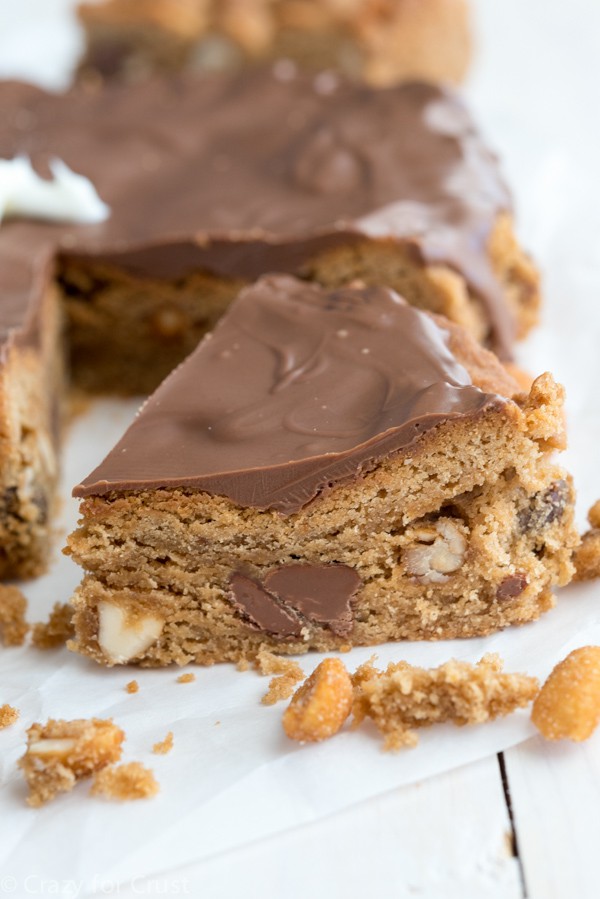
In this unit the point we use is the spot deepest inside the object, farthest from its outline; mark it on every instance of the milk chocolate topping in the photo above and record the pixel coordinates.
(245, 174)
(297, 389)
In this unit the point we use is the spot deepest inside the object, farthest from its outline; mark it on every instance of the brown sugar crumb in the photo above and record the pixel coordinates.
(321, 705)
(59, 753)
(13, 607)
(586, 557)
(288, 674)
(403, 697)
(125, 782)
(280, 687)
(56, 631)
(164, 746)
(132, 686)
(270, 663)
(188, 678)
(8, 716)
(568, 705)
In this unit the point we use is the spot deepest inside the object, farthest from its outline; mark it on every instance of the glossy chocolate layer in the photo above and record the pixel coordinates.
(257, 172)
(297, 389)
(291, 595)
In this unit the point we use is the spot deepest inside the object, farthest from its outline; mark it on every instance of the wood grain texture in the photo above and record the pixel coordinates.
(555, 794)
(449, 836)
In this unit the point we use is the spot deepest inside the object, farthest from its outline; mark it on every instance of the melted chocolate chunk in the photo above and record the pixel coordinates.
(321, 593)
(244, 174)
(512, 586)
(261, 609)
(296, 390)
(545, 508)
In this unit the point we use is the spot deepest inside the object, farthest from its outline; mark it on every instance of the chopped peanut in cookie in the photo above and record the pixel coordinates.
(13, 607)
(125, 782)
(56, 631)
(568, 705)
(8, 716)
(188, 678)
(132, 686)
(59, 753)
(403, 698)
(164, 746)
(321, 705)
(586, 556)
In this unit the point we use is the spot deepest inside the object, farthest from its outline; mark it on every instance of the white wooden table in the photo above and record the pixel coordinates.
(527, 822)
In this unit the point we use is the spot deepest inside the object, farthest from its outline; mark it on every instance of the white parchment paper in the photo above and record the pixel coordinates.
(232, 777)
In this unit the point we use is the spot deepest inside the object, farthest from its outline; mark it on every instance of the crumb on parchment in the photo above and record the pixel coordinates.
(59, 753)
(164, 746)
(56, 631)
(125, 782)
(8, 716)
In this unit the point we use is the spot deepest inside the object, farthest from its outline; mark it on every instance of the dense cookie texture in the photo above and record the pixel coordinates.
(381, 42)
(329, 468)
(328, 180)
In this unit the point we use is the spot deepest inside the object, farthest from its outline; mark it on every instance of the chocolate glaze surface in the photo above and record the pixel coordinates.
(297, 389)
(245, 174)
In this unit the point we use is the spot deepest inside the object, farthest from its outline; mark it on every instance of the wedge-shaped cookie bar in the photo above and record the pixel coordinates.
(328, 468)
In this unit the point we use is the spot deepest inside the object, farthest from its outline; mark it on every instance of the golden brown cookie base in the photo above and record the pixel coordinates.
(381, 43)
(13, 612)
(31, 389)
(479, 492)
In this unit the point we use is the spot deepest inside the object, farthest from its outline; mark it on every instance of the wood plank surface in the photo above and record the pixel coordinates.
(446, 838)
(555, 796)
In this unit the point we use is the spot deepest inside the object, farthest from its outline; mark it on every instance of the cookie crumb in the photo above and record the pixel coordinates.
(13, 608)
(403, 698)
(132, 686)
(8, 716)
(125, 782)
(164, 746)
(288, 674)
(568, 705)
(269, 663)
(243, 665)
(59, 753)
(280, 688)
(321, 705)
(56, 631)
(188, 678)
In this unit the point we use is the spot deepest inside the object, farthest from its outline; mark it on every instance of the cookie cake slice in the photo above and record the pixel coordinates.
(328, 468)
